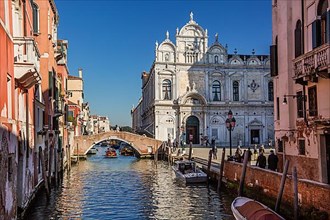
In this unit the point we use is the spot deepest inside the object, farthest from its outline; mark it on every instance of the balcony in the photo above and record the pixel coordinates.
(313, 64)
(26, 62)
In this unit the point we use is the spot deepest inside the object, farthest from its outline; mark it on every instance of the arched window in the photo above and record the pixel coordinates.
(216, 59)
(270, 91)
(298, 39)
(167, 90)
(235, 91)
(35, 12)
(320, 27)
(216, 91)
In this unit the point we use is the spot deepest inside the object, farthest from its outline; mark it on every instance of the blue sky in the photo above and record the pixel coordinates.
(114, 41)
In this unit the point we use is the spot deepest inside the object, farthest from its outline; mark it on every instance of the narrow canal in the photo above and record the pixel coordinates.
(128, 188)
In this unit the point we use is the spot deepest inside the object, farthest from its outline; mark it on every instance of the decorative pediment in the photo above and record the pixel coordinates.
(193, 98)
(255, 122)
(217, 120)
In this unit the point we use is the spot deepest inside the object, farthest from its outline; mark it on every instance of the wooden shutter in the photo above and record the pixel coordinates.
(316, 33)
(273, 60)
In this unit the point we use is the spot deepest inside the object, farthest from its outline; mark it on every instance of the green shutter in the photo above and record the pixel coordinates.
(316, 33)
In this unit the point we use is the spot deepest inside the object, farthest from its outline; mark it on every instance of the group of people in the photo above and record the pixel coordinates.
(261, 158)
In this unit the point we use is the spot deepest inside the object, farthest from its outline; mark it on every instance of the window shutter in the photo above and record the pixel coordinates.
(273, 60)
(328, 27)
(50, 84)
(316, 33)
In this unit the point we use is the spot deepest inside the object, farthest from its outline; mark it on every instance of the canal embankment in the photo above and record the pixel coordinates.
(264, 185)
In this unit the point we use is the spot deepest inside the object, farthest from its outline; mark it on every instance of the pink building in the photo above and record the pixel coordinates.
(301, 72)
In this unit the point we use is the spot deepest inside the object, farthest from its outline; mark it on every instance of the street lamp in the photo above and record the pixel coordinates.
(230, 124)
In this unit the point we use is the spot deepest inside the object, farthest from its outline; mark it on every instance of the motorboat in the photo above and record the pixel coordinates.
(111, 153)
(187, 171)
(93, 150)
(248, 209)
(126, 151)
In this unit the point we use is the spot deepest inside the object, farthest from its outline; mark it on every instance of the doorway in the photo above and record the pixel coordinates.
(192, 130)
(327, 154)
(255, 136)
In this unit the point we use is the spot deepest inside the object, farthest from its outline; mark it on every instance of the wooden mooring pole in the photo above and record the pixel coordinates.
(209, 165)
(44, 174)
(190, 150)
(295, 193)
(77, 154)
(241, 181)
(280, 193)
(221, 169)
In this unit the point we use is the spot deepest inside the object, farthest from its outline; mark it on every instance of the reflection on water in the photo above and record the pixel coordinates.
(128, 188)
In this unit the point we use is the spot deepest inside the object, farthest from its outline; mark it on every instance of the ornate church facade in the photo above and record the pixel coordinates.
(191, 87)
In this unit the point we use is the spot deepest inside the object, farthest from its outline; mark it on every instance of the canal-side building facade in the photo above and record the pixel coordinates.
(33, 102)
(191, 87)
(301, 75)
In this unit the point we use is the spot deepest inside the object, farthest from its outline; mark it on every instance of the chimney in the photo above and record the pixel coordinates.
(80, 73)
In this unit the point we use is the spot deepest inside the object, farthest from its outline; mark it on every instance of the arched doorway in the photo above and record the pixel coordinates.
(192, 128)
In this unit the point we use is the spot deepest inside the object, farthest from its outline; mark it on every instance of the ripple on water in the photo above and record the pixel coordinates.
(128, 188)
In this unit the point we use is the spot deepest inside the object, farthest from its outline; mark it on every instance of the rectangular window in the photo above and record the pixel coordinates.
(312, 101)
(277, 108)
(280, 145)
(300, 105)
(273, 60)
(301, 147)
(50, 84)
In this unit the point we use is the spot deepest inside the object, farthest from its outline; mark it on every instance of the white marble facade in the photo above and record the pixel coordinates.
(191, 87)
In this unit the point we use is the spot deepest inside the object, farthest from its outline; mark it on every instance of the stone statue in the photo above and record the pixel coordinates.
(167, 35)
(216, 37)
(156, 44)
(191, 16)
(177, 31)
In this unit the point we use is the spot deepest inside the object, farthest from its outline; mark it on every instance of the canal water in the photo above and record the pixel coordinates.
(128, 188)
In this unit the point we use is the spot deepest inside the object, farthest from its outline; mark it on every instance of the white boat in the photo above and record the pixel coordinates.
(93, 150)
(187, 171)
(248, 209)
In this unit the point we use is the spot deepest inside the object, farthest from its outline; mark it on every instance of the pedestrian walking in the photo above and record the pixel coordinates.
(238, 155)
(261, 161)
(272, 161)
(213, 148)
(249, 155)
(255, 153)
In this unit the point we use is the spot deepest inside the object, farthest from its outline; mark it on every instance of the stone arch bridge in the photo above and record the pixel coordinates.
(144, 146)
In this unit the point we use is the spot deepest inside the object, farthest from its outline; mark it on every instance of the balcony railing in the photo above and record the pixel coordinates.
(26, 62)
(309, 64)
(26, 52)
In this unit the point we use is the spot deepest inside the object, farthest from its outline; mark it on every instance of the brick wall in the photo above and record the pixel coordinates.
(307, 168)
(310, 193)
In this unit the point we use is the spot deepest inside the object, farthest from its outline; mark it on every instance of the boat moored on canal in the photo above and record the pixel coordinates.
(187, 171)
(247, 209)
